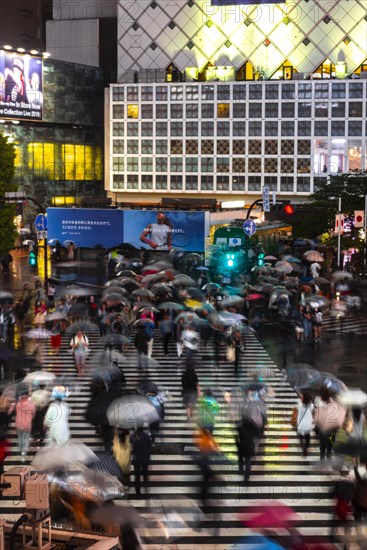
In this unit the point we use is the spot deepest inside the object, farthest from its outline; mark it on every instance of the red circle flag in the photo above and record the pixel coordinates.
(359, 219)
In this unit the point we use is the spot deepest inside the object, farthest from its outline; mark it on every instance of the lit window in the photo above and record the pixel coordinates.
(132, 111)
(223, 110)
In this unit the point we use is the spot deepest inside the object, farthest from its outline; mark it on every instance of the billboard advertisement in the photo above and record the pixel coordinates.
(165, 231)
(245, 2)
(150, 229)
(21, 95)
(86, 227)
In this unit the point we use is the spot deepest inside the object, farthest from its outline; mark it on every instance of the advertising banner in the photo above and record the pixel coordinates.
(86, 227)
(21, 83)
(245, 2)
(165, 230)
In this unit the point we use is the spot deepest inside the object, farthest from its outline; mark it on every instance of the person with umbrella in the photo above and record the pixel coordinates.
(25, 411)
(57, 418)
(79, 345)
(317, 323)
(304, 420)
(141, 449)
(190, 388)
(236, 344)
(141, 345)
(247, 433)
(329, 416)
(307, 316)
(41, 397)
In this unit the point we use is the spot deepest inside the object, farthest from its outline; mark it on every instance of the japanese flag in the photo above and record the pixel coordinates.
(358, 218)
(339, 218)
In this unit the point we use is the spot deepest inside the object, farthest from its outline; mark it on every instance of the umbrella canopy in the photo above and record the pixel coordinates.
(129, 284)
(316, 300)
(84, 326)
(183, 280)
(270, 258)
(291, 260)
(105, 462)
(114, 340)
(78, 309)
(321, 281)
(148, 386)
(187, 316)
(131, 411)
(171, 306)
(67, 243)
(313, 256)
(6, 297)
(117, 316)
(232, 301)
(158, 266)
(143, 293)
(283, 266)
(270, 514)
(353, 397)
(55, 316)
(76, 291)
(143, 322)
(127, 273)
(194, 293)
(202, 268)
(59, 456)
(302, 375)
(38, 333)
(40, 377)
(96, 411)
(28, 242)
(341, 275)
(160, 288)
(115, 282)
(211, 287)
(115, 297)
(115, 289)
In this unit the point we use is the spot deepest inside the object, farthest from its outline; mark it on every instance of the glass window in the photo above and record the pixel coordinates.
(255, 110)
(147, 111)
(192, 129)
(223, 92)
(254, 165)
(304, 128)
(176, 146)
(207, 128)
(192, 147)
(338, 128)
(147, 129)
(355, 89)
(254, 147)
(287, 165)
(192, 110)
(160, 182)
(223, 110)
(118, 146)
(161, 164)
(147, 93)
(176, 129)
(305, 91)
(118, 93)
(207, 92)
(222, 128)
(147, 181)
(271, 110)
(161, 110)
(223, 147)
(322, 91)
(338, 109)
(271, 128)
(303, 185)
(287, 128)
(207, 183)
(132, 93)
(287, 147)
(239, 110)
(118, 111)
(192, 93)
(321, 109)
(286, 183)
(271, 91)
(354, 128)
(176, 93)
(254, 183)
(255, 91)
(207, 146)
(337, 157)
(175, 182)
(161, 129)
(222, 164)
(304, 147)
(355, 109)
(207, 110)
(238, 165)
(132, 164)
(132, 129)
(288, 91)
(176, 110)
(239, 183)
(239, 92)
(222, 183)
(132, 111)
(239, 128)
(147, 147)
(355, 154)
(176, 164)
(133, 146)
(321, 128)
(147, 164)
(118, 129)
(239, 147)
(191, 164)
(207, 164)
(118, 164)
(132, 181)
(304, 110)
(191, 183)
(161, 147)
(288, 110)
(271, 182)
(254, 128)
(271, 165)
(161, 93)
(271, 147)
(303, 166)
(338, 90)
(321, 161)
(118, 181)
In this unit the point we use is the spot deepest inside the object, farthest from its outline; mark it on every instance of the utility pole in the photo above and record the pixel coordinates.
(339, 229)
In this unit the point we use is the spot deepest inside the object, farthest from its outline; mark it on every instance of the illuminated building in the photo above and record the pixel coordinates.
(223, 100)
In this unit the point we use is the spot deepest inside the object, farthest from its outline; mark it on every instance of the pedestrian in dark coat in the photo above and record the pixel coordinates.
(141, 345)
(247, 432)
(142, 449)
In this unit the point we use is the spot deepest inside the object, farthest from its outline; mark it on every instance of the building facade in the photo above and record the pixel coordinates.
(223, 100)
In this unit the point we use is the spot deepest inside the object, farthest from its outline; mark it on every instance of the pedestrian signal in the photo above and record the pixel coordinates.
(32, 258)
(260, 259)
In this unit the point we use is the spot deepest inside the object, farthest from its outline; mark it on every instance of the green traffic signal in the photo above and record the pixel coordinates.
(32, 258)
(260, 259)
(230, 260)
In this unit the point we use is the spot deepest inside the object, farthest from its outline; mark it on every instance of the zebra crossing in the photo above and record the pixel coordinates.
(279, 472)
(355, 323)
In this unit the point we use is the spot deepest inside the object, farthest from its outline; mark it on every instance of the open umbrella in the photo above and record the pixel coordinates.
(84, 326)
(143, 322)
(96, 411)
(28, 242)
(38, 333)
(313, 256)
(232, 301)
(283, 266)
(129, 284)
(292, 259)
(270, 258)
(55, 316)
(187, 316)
(171, 306)
(127, 273)
(114, 340)
(320, 281)
(341, 275)
(6, 297)
(353, 397)
(40, 377)
(131, 411)
(316, 300)
(211, 287)
(158, 266)
(194, 293)
(183, 280)
(115, 282)
(115, 289)
(160, 288)
(59, 456)
(143, 293)
(78, 309)
(76, 291)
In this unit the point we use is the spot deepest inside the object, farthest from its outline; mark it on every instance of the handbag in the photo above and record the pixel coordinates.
(231, 353)
(294, 418)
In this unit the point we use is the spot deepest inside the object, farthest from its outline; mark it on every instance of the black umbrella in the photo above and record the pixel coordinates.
(114, 340)
(148, 386)
(127, 273)
(195, 293)
(96, 411)
(84, 326)
(78, 309)
(143, 293)
(352, 447)
(114, 283)
(129, 284)
(115, 289)
(6, 298)
(161, 288)
(105, 463)
(115, 297)
(117, 316)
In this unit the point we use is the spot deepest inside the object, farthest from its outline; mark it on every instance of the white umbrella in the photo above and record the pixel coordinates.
(131, 411)
(59, 456)
(341, 275)
(38, 333)
(353, 397)
(313, 256)
(283, 266)
(40, 376)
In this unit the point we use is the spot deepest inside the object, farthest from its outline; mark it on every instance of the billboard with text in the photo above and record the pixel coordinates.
(21, 95)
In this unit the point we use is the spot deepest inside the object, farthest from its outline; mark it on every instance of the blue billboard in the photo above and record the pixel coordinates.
(150, 229)
(86, 227)
(161, 230)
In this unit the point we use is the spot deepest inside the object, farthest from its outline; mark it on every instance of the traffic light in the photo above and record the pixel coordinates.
(230, 260)
(288, 208)
(32, 258)
(260, 259)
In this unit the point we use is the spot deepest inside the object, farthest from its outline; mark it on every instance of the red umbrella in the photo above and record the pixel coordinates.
(255, 297)
(270, 514)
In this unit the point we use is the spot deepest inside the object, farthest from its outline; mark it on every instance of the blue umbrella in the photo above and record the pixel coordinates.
(256, 542)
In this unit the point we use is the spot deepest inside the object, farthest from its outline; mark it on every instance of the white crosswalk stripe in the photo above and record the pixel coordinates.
(280, 472)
